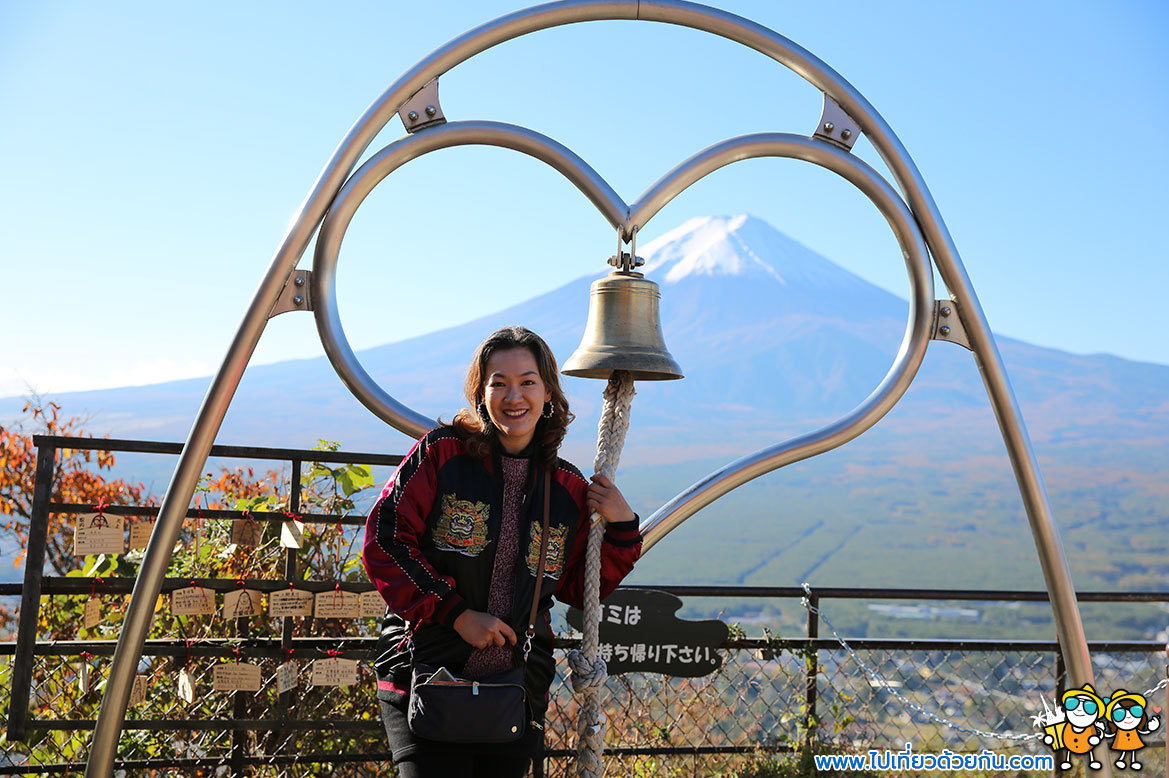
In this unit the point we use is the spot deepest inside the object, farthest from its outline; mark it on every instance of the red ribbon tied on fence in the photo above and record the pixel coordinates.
(93, 586)
(196, 585)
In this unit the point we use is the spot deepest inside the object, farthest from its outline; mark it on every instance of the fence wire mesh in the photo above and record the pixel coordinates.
(766, 698)
(715, 725)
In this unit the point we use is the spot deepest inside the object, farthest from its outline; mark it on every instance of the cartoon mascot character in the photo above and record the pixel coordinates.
(1126, 718)
(1081, 729)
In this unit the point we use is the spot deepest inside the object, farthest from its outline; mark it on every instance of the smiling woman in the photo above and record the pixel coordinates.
(515, 398)
(480, 526)
(506, 387)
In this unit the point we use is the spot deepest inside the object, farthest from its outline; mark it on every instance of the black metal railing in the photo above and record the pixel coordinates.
(773, 694)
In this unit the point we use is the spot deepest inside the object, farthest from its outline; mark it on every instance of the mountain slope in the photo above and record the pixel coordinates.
(776, 340)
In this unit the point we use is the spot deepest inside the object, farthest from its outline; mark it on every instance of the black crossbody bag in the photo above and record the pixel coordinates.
(448, 708)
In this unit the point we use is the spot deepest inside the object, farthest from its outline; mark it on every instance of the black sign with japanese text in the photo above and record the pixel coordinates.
(640, 632)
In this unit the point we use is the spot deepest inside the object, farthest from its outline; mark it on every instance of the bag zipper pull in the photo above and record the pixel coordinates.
(474, 688)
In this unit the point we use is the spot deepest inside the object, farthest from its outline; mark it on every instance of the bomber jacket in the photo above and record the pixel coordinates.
(430, 550)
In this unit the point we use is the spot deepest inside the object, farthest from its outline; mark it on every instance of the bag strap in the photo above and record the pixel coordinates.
(540, 567)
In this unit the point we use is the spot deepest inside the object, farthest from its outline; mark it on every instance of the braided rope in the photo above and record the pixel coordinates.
(588, 668)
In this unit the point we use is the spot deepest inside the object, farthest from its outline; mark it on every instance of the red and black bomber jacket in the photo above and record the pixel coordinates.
(430, 550)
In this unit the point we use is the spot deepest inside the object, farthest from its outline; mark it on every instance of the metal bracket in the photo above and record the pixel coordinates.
(836, 127)
(422, 110)
(627, 261)
(948, 325)
(296, 295)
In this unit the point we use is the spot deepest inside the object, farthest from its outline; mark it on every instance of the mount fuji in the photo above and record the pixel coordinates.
(776, 340)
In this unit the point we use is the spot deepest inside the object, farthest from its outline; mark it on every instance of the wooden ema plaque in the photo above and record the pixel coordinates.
(246, 532)
(371, 605)
(337, 604)
(192, 601)
(96, 533)
(243, 603)
(334, 672)
(139, 689)
(140, 534)
(236, 677)
(292, 534)
(290, 603)
(91, 616)
(286, 677)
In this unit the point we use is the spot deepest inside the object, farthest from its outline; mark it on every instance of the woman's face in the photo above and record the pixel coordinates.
(514, 395)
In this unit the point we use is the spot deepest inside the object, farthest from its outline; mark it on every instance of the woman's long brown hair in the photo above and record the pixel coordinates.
(480, 433)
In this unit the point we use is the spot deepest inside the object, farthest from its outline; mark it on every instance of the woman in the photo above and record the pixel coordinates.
(454, 541)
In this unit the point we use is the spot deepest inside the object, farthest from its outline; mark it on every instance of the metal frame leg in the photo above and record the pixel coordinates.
(223, 386)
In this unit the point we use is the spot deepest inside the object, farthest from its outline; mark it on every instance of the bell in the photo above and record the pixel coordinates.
(623, 332)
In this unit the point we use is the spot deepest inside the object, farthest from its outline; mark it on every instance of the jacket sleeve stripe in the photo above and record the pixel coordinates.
(394, 531)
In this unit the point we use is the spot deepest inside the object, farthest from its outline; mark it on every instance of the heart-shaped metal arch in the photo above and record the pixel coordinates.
(189, 468)
(891, 388)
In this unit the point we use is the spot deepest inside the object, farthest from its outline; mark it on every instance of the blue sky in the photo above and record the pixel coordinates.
(153, 154)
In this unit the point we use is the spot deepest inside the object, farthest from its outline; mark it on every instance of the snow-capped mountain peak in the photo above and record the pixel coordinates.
(736, 246)
(705, 246)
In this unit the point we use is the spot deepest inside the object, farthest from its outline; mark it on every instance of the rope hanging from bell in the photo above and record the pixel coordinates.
(622, 343)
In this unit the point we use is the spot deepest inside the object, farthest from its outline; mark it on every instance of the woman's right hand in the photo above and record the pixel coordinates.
(482, 630)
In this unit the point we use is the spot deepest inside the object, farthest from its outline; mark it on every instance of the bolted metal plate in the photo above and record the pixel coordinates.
(947, 325)
(296, 294)
(836, 126)
(422, 110)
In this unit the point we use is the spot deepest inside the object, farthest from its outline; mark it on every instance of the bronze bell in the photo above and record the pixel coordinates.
(623, 332)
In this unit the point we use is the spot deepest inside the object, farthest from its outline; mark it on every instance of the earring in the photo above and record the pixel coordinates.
(547, 414)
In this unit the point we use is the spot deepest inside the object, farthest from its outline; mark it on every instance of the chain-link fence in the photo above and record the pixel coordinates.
(755, 704)
(770, 696)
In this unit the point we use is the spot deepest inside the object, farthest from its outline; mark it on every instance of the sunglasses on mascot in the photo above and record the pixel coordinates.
(1090, 706)
(1118, 713)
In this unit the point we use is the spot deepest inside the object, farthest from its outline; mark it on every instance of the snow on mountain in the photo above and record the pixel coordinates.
(774, 340)
(769, 335)
(739, 246)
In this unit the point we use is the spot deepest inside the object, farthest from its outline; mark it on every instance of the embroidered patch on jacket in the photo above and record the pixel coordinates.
(554, 562)
(462, 526)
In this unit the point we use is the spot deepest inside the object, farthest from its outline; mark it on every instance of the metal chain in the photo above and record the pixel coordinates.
(1163, 683)
(878, 681)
